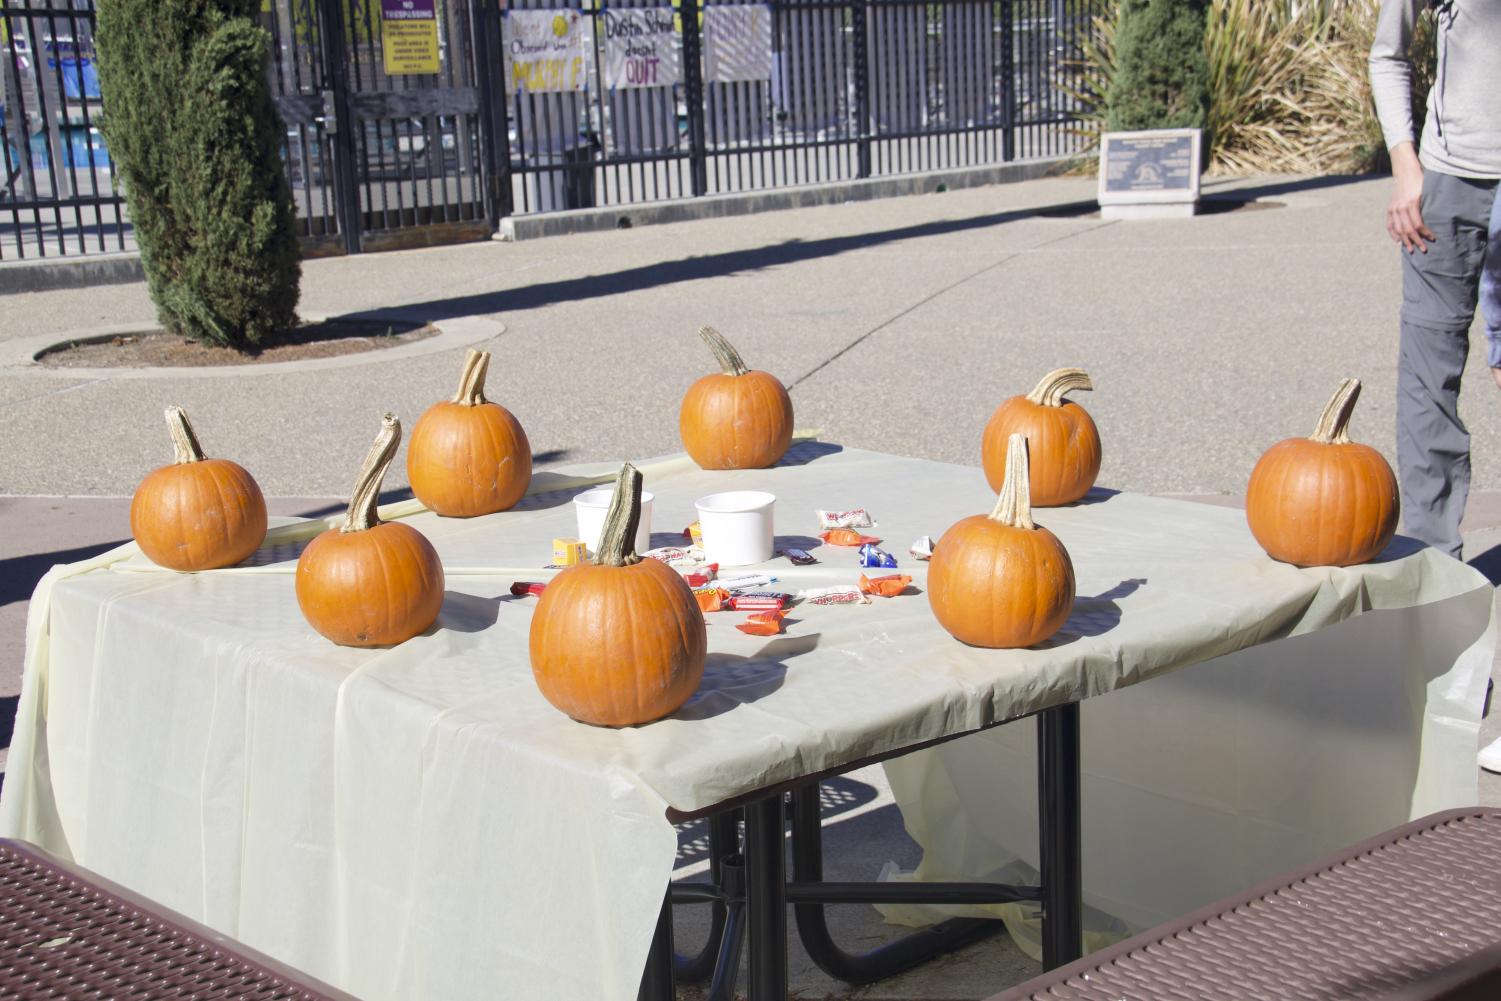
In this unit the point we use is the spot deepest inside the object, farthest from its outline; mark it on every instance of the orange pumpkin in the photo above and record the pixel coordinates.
(1324, 500)
(737, 418)
(1000, 580)
(620, 641)
(197, 514)
(370, 582)
(469, 456)
(1063, 441)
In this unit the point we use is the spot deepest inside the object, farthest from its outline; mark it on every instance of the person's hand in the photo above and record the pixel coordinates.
(1404, 215)
(1496, 374)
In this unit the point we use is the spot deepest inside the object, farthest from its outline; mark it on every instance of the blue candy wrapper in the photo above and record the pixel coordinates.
(872, 556)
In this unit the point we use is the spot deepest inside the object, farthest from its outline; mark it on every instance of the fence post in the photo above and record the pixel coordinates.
(862, 85)
(693, 97)
(495, 139)
(1008, 81)
(339, 123)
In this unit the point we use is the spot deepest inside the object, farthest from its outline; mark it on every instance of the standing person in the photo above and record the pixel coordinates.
(1443, 214)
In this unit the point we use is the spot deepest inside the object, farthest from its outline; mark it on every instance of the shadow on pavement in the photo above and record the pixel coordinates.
(19, 574)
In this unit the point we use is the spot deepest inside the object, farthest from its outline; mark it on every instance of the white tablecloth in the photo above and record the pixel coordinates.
(419, 823)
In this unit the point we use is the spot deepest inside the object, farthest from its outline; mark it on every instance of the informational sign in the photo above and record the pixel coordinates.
(737, 42)
(1149, 173)
(544, 51)
(409, 36)
(641, 47)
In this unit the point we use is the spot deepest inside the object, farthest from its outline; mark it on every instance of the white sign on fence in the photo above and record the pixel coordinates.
(737, 42)
(641, 48)
(544, 51)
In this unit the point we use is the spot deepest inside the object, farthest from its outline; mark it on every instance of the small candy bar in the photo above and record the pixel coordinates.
(870, 556)
(712, 599)
(569, 552)
(847, 537)
(702, 576)
(522, 588)
(857, 518)
(672, 556)
(762, 623)
(842, 595)
(887, 587)
(799, 557)
(745, 581)
(694, 534)
(922, 548)
(758, 602)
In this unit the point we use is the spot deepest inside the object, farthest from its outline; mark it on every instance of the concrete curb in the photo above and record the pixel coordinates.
(18, 356)
(532, 227)
(46, 274)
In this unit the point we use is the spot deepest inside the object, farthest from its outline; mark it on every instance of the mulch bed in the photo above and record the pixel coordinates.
(159, 349)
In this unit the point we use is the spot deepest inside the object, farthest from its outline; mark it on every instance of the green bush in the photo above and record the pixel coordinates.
(1161, 75)
(195, 137)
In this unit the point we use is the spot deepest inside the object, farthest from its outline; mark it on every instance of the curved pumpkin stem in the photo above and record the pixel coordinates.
(617, 540)
(184, 441)
(1014, 507)
(362, 505)
(724, 351)
(1051, 390)
(1334, 423)
(472, 381)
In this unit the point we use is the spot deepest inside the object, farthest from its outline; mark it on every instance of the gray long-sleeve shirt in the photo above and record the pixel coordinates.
(1462, 134)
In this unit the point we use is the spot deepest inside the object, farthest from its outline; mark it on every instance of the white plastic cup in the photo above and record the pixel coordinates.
(737, 527)
(591, 507)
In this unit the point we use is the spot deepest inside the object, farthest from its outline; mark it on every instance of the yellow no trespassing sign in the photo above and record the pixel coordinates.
(409, 36)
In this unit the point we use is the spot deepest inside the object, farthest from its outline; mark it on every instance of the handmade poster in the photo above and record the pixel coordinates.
(409, 36)
(737, 42)
(640, 48)
(544, 51)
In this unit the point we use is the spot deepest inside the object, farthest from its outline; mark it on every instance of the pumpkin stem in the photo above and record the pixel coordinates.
(1334, 423)
(1051, 390)
(1014, 507)
(472, 382)
(724, 351)
(617, 540)
(362, 506)
(184, 441)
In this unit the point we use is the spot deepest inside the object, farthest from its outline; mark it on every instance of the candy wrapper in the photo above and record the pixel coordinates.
(758, 602)
(847, 537)
(522, 588)
(702, 576)
(843, 595)
(762, 623)
(695, 535)
(743, 582)
(857, 518)
(870, 556)
(568, 552)
(675, 556)
(712, 599)
(887, 587)
(922, 548)
(799, 557)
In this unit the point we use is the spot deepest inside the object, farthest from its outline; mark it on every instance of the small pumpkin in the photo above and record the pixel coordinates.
(1063, 440)
(620, 641)
(1001, 580)
(737, 418)
(1324, 500)
(197, 514)
(469, 456)
(370, 582)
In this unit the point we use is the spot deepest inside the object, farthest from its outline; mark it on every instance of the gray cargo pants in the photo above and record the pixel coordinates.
(1439, 294)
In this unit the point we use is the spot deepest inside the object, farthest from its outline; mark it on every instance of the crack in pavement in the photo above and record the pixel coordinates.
(862, 338)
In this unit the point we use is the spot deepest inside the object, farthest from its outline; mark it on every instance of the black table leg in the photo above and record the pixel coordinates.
(657, 980)
(724, 843)
(1059, 824)
(766, 898)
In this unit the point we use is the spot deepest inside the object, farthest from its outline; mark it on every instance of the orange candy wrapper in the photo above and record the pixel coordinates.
(712, 599)
(762, 624)
(847, 537)
(887, 587)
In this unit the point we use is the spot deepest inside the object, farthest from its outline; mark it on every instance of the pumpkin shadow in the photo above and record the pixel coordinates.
(468, 613)
(1096, 495)
(1094, 615)
(1399, 548)
(731, 680)
(805, 452)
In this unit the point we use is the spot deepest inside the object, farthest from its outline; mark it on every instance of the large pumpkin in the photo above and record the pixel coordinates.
(620, 641)
(469, 456)
(1062, 439)
(370, 582)
(1324, 500)
(1000, 580)
(737, 418)
(197, 514)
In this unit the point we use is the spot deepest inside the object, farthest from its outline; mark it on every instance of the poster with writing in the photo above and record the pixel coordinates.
(544, 51)
(409, 36)
(641, 48)
(737, 42)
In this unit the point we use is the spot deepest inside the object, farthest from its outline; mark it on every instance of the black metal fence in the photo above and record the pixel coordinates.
(537, 106)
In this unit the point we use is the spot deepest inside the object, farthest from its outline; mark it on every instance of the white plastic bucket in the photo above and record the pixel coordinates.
(737, 527)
